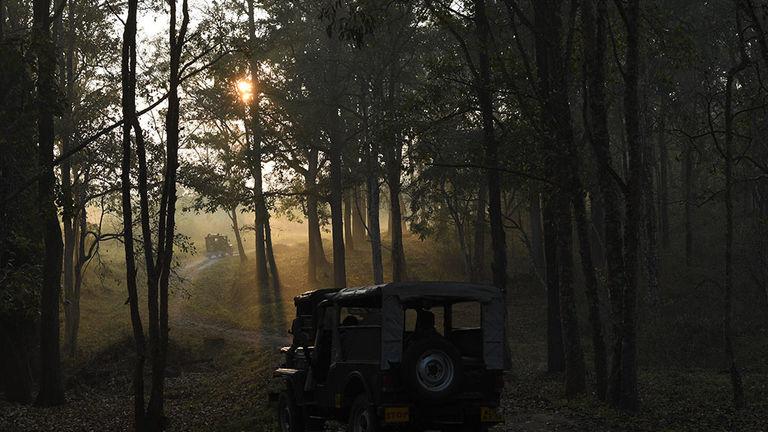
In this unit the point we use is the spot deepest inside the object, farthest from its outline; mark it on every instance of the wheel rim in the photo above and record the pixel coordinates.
(434, 371)
(285, 418)
(363, 421)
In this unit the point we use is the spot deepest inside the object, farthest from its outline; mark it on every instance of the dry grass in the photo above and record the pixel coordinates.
(225, 334)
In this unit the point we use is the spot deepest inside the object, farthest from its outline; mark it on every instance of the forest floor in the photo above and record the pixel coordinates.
(225, 338)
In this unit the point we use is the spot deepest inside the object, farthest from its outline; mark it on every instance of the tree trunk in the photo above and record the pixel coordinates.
(260, 208)
(82, 260)
(478, 259)
(373, 192)
(593, 299)
(337, 219)
(575, 374)
(651, 223)
(70, 240)
(238, 237)
(271, 256)
(491, 151)
(51, 390)
(735, 374)
(555, 353)
(597, 228)
(663, 183)
(688, 206)
(316, 256)
(69, 214)
(537, 237)
(374, 228)
(348, 238)
(128, 73)
(335, 153)
(396, 227)
(461, 235)
(167, 221)
(359, 211)
(628, 396)
(560, 165)
(393, 153)
(595, 47)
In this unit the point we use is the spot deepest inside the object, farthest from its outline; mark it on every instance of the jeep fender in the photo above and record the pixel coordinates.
(354, 385)
(294, 389)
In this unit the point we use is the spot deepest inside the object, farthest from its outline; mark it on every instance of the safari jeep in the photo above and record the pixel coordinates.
(408, 356)
(217, 245)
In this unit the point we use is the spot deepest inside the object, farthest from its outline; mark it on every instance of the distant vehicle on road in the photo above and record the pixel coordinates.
(376, 358)
(217, 245)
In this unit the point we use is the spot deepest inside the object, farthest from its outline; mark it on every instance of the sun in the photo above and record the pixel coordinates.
(245, 89)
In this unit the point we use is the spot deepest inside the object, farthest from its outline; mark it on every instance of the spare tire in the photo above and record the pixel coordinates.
(432, 369)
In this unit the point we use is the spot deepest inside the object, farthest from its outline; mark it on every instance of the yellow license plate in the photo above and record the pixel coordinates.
(396, 415)
(490, 415)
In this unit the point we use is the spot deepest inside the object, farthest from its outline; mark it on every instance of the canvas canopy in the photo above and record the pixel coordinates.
(394, 298)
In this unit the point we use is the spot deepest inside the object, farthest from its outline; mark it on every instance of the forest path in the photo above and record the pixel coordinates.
(213, 333)
(180, 315)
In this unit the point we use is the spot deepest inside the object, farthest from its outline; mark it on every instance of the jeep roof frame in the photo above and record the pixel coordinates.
(394, 298)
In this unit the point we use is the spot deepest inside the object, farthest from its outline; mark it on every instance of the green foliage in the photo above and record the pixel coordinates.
(20, 247)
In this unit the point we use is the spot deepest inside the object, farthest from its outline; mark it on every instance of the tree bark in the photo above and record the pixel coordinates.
(537, 237)
(593, 299)
(478, 259)
(597, 228)
(316, 257)
(688, 205)
(271, 256)
(128, 73)
(396, 227)
(51, 390)
(575, 374)
(628, 395)
(359, 211)
(555, 353)
(491, 150)
(348, 237)
(393, 153)
(167, 222)
(336, 149)
(663, 183)
(81, 261)
(373, 192)
(238, 236)
(69, 213)
(561, 165)
(735, 374)
(260, 208)
(595, 47)
(651, 221)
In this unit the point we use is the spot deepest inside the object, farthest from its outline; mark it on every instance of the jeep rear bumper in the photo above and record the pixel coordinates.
(393, 416)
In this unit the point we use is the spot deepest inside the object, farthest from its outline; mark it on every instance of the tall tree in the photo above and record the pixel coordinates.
(371, 149)
(21, 251)
(553, 52)
(260, 208)
(51, 382)
(128, 73)
(333, 125)
(624, 383)
(735, 374)
(491, 148)
(594, 27)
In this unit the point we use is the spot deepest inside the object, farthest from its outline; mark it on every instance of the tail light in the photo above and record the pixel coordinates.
(388, 382)
(499, 382)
